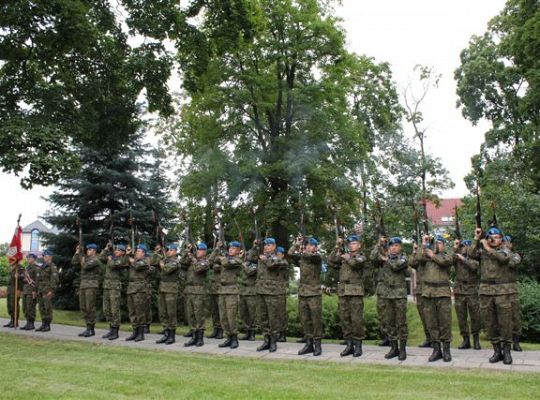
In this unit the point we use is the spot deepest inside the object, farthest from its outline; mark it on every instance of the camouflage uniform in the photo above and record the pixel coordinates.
(420, 306)
(168, 292)
(15, 271)
(214, 279)
(30, 294)
(112, 286)
(46, 282)
(248, 298)
(195, 291)
(181, 314)
(377, 265)
(137, 292)
(466, 300)
(90, 274)
(515, 260)
(283, 302)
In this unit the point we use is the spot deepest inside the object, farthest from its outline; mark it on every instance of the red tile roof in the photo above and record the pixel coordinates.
(439, 215)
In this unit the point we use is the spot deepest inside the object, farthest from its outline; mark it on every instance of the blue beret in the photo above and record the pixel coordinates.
(202, 246)
(439, 238)
(508, 238)
(353, 238)
(48, 252)
(143, 247)
(313, 242)
(494, 231)
(235, 244)
(269, 240)
(92, 246)
(280, 250)
(394, 240)
(31, 255)
(172, 246)
(466, 242)
(121, 247)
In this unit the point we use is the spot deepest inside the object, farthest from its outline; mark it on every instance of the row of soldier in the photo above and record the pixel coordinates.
(485, 285)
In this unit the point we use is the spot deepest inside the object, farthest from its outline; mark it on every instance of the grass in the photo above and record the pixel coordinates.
(416, 334)
(49, 369)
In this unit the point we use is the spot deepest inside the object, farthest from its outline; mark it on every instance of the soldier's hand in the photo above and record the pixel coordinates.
(262, 257)
(220, 243)
(131, 260)
(346, 256)
(478, 233)
(34, 295)
(460, 257)
(110, 244)
(49, 295)
(255, 242)
(428, 252)
(384, 258)
(415, 247)
(457, 243)
(109, 258)
(161, 263)
(382, 240)
(425, 239)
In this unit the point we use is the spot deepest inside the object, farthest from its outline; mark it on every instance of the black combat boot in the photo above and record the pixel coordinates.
(91, 331)
(227, 342)
(219, 333)
(252, 335)
(385, 342)
(427, 344)
(357, 348)
(317, 350)
(108, 334)
(349, 349)
(200, 338)
(447, 357)
(282, 338)
(234, 342)
(507, 355)
(437, 354)
(246, 336)
(146, 328)
(402, 350)
(29, 326)
(114, 333)
(140, 334)
(265, 344)
(214, 333)
(308, 347)
(133, 335)
(193, 340)
(394, 350)
(516, 346)
(497, 355)
(466, 344)
(172, 336)
(164, 338)
(10, 324)
(190, 333)
(476, 342)
(301, 340)
(85, 332)
(47, 327)
(273, 343)
(40, 329)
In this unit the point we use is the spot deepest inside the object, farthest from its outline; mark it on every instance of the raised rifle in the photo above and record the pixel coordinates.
(79, 228)
(241, 237)
(478, 215)
(338, 229)
(417, 235)
(131, 223)
(381, 230)
(257, 232)
(457, 230)
(493, 222)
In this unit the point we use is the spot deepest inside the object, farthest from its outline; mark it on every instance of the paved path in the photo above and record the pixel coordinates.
(527, 361)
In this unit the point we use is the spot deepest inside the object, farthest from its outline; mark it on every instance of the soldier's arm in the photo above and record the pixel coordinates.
(442, 260)
(357, 261)
(253, 254)
(104, 255)
(398, 263)
(312, 257)
(474, 251)
(334, 259)
(121, 263)
(170, 267)
(376, 254)
(249, 269)
(471, 264)
(515, 260)
(502, 256)
(92, 264)
(202, 266)
(231, 262)
(76, 260)
(140, 265)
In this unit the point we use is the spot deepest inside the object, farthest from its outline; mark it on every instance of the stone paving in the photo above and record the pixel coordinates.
(527, 361)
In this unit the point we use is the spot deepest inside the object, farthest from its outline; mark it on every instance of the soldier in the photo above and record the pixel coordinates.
(214, 279)
(158, 255)
(436, 295)
(46, 282)
(137, 292)
(168, 292)
(420, 307)
(516, 309)
(196, 267)
(29, 292)
(380, 249)
(496, 290)
(270, 289)
(351, 293)
(282, 336)
(392, 294)
(90, 274)
(16, 278)
(309, 293)
(248, 296)
(229, 291)
(116, 263)
(466, 299)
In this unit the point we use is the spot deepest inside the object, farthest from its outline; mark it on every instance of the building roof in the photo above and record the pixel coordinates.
(40, 226)
(444, 213)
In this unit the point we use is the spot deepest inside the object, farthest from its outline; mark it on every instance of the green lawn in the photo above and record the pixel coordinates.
(48, 369)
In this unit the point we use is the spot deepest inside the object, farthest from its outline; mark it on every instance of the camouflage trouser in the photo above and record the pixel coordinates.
(421, 312)
(228, 311)
(45, 307)
(269, 313)
(310, 311)
(195, 310)
(167, 309)
(138, 308)
(497, 311)
(111, 306)
(284, 316)
(214, 310)
(516, 315)
(181, 314)
(383, 330)
(29, 306)
(439, 318)
(248, 311)
(148, 311)
(351, 314)
(393, 316)
(87, 304)
(467, 305)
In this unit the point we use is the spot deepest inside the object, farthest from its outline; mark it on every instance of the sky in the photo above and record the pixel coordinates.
(403, 33)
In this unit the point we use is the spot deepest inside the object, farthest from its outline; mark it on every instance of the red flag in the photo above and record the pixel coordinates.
(14, 251)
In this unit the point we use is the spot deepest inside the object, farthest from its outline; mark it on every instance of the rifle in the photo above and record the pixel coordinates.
(241, 236)
(478, 215)
(158, 232)
(111, 229)
(302, 225)
(457, 228)
(417, 236)
(338, 228)
(493, 222)
(381, 230)
(81, 244)
(257, 232)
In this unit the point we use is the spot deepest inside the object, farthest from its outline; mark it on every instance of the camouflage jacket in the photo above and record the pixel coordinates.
(420, 271)
(436, 274)
(114, 269)
(196, 270)
(515, 260)
(270, 279)
(168, 282)
(91, 269)
(310, 272)
(351, 272)
(138, 276)
(494, 270)
(46, 278)
(391, 283)
(30, 277)
(214, 276)
(467, 278)
(230, 271)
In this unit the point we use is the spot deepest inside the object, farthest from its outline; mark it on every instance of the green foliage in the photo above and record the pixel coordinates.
(529, 298)
(4, 274)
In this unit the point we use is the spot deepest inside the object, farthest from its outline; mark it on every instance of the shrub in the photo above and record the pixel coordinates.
(529, 298)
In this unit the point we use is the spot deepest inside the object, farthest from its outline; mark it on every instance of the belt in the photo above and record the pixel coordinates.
(495, 281)
(437, 284)
(467, 282)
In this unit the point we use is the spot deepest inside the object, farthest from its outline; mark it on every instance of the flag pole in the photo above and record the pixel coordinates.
(16, 271)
